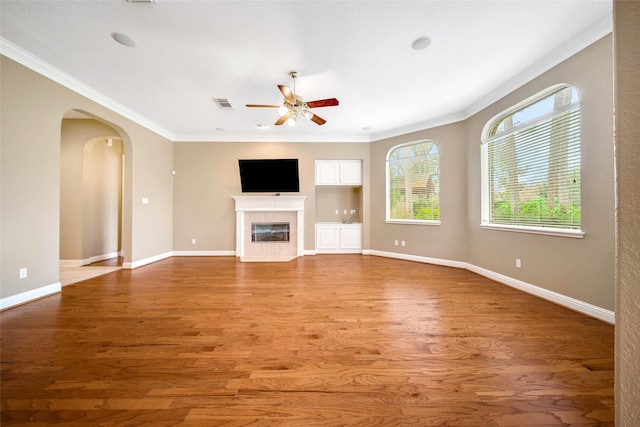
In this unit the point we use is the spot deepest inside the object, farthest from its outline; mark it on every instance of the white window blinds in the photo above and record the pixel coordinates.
(531, 168)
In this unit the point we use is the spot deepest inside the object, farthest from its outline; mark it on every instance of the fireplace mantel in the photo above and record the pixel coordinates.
(269, 203)
(246, 206)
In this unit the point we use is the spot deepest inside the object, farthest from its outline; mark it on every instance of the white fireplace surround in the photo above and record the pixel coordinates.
(245, 205)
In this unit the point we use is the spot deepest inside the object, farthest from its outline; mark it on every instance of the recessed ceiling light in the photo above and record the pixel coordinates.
(421, 43)
(220, 129)
(123, 39)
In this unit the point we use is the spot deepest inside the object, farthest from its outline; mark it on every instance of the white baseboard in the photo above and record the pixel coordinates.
(102, 257)
(145, 261)
(204, 253)
(90, 260)
(29, 296)
(427, 260)
(563, 300)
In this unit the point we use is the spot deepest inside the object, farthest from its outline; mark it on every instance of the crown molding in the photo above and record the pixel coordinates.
(583, 40)
(420, 126)
(589, 36)
(306, 138)
(586, 38)
(21, 56)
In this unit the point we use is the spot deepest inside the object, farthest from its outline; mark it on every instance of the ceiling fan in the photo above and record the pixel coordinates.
(295, 107)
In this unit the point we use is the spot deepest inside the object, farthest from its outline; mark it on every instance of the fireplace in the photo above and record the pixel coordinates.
(270, 232)
(269, 228)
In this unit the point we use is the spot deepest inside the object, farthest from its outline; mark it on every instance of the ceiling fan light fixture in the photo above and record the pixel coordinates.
(295, 107)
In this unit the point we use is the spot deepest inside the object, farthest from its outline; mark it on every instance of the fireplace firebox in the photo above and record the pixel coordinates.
(270, 232)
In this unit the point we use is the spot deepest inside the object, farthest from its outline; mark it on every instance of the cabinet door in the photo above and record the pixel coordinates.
(351, 237)
(327, 172)
(327, 237)
(351, 172)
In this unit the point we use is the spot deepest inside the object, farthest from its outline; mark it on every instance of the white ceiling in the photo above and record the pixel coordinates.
(189, 52)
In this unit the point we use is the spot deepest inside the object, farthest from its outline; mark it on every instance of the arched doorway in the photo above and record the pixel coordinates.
(93, 176)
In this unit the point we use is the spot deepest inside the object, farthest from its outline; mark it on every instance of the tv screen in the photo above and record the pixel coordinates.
(269, 176)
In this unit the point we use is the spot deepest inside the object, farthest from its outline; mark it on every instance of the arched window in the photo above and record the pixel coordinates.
(413, 183)
(531, 165)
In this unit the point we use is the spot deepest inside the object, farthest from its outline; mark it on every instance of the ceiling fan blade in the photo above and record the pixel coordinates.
(262, 106)
(329, 102)
(317, 119)
(282, 119)
(288, 93)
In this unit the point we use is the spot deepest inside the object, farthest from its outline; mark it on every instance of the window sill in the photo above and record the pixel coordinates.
(413, 222)
(558, 232)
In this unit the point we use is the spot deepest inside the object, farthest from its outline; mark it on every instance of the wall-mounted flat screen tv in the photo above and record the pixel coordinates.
(269, 176)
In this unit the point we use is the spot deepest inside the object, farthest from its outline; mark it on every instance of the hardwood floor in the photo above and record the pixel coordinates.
(327, 340)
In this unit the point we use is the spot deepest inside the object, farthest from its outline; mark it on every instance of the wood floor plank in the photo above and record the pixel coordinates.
(323, 340)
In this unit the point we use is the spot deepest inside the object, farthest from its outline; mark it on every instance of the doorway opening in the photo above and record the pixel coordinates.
(92, 179)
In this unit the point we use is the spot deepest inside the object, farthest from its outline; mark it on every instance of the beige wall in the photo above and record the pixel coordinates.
(332, 198)
(101, 199)
(579, 268)
(627, 83)
(32, 111)
(207, 176)
(446, 241)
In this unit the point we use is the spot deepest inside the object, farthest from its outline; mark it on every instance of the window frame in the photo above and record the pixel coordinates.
(486, 138)
(388, 218)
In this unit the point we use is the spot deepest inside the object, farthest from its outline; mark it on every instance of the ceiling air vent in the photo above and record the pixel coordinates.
(142, 1)
(223, 103)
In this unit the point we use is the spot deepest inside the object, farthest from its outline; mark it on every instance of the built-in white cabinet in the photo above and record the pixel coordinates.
(338, 238)
(339, 172)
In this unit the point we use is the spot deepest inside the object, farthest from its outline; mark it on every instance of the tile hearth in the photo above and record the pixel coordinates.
(252, 210)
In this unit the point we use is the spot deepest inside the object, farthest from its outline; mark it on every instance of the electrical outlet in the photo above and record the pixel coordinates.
(353, 211)
(403, 243)
(396, 242)
(337, 212)
(23, 273)
(518, 263)
(193, 241)
(344, 212)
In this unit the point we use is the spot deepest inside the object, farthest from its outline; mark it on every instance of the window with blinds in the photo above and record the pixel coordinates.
(413, 183)
(531, 164)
